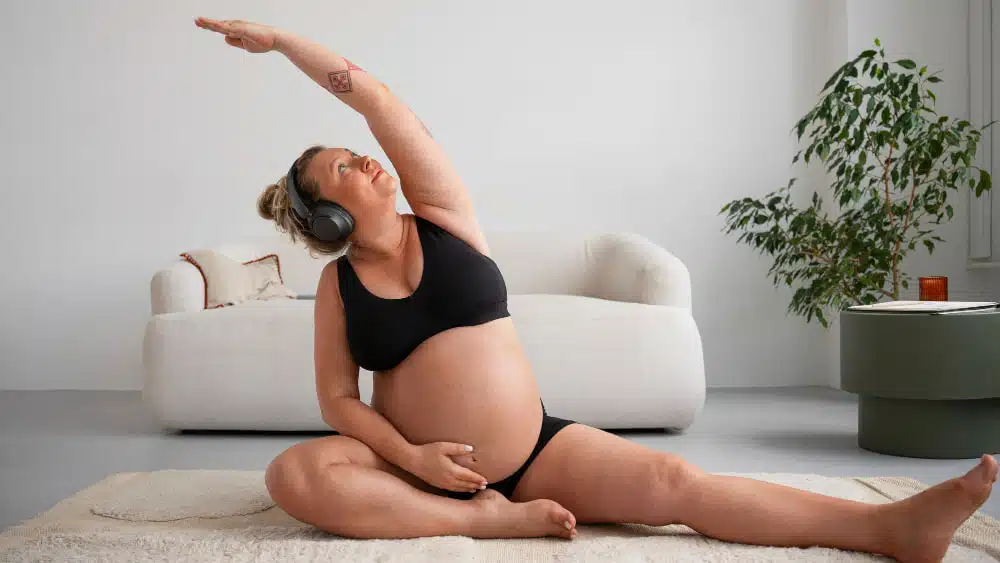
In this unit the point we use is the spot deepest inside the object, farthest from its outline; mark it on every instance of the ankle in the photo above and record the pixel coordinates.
(477, 519)
(889, 526)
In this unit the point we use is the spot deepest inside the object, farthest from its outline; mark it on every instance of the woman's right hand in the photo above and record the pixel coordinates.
(251, 37)
(433, 463)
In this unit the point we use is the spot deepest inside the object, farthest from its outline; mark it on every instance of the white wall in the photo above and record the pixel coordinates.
(132, 136)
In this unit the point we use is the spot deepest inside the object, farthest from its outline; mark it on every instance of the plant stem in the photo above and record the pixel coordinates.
(899, 241)
(843, 283)
(818, 256)
(874, 148)
(885, 180)
(854, 294)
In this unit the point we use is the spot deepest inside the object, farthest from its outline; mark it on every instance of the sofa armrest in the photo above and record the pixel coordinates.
(630, 267)
(177, 288)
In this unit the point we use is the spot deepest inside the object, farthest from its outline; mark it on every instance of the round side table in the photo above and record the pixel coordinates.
(928, 385)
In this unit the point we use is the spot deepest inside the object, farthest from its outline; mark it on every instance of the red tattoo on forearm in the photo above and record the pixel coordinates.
(340, 81)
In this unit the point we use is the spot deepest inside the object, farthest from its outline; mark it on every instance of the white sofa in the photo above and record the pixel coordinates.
(605, 320)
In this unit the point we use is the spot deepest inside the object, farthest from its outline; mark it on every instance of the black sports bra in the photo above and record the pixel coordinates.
(459, 286)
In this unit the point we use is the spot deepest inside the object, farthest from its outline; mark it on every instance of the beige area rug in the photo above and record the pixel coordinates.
(228, 516)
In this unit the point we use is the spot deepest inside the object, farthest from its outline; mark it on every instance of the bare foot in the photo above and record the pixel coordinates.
(925, 523)
(505, 519)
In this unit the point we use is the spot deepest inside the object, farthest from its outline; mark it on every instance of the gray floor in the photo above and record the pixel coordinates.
(54, 443)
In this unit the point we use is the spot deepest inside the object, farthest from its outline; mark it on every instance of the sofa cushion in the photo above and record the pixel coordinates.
(229, 282)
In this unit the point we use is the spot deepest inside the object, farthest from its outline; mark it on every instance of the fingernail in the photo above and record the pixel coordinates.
(468, 448)
(568, 527)
(481, 487)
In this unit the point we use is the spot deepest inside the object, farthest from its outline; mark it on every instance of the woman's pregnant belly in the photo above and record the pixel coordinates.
(470, 385)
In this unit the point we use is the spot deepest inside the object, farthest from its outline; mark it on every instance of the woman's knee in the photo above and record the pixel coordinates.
(285, 477)
(673, 474)
(292, 475)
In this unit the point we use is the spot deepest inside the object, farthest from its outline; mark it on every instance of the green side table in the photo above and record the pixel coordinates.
(928, 385)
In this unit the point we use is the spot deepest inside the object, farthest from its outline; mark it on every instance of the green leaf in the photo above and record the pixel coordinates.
(951, 212)
(933, 79)
(836, 75)
(929, 245)
(852, 117)
(800, 128)
(907, 64)
(985, 183)
(877, 42)
(936, 149)
(867, 54)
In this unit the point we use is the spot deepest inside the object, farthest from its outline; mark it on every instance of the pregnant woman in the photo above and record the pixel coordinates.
(457, 440)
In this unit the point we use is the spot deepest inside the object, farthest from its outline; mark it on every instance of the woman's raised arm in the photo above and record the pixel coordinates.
(331, 71)
(429, 182)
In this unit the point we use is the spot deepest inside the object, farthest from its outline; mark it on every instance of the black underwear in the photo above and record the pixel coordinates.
(550, 427)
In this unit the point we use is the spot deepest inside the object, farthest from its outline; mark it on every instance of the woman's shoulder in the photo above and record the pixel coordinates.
(466, 229)
(330, 281)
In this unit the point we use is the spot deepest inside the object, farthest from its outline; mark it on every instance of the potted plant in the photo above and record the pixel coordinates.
(894, 161)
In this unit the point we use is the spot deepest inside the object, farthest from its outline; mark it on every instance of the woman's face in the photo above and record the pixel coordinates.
(356, 183)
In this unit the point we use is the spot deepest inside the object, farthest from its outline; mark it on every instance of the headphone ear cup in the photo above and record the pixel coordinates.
(331, 222)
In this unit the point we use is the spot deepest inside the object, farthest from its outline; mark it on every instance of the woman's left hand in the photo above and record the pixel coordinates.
(251, 37)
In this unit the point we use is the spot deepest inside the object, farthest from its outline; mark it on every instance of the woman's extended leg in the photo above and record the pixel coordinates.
(338, 484)
(601, 477)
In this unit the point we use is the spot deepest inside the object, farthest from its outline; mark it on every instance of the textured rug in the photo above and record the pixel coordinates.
(228, 516)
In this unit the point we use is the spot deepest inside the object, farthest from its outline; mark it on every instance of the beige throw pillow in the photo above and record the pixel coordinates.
(229, 282)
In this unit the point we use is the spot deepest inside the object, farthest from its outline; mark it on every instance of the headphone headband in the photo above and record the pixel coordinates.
(299, 205)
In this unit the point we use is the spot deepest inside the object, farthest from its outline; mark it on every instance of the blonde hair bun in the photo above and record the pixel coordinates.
(273, 202)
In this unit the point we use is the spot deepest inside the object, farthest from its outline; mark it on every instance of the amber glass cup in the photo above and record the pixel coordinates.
(934, 288)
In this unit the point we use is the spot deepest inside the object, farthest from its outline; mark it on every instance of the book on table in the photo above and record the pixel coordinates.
(926, 306)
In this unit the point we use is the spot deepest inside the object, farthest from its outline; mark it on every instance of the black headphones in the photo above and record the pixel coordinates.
(326, 220)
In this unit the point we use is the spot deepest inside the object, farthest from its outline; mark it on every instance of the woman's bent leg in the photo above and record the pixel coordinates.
(338, 484)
